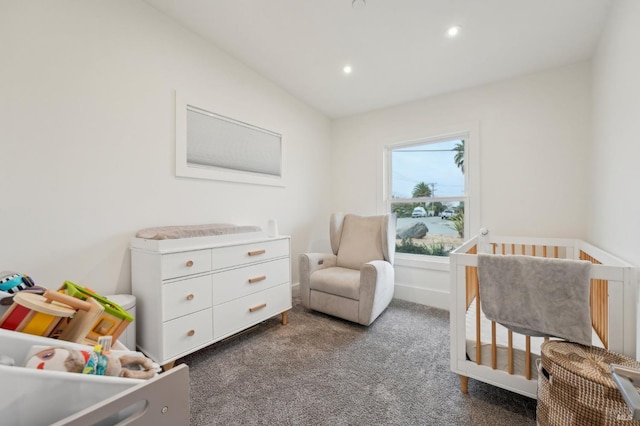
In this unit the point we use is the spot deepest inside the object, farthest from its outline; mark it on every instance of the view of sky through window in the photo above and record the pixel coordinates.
(431, 163)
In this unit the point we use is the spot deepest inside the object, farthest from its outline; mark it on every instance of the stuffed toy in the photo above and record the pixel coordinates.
(76, 361)
(12, 282)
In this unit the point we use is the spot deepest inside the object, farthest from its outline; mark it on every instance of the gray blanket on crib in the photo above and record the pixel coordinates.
(537, 296)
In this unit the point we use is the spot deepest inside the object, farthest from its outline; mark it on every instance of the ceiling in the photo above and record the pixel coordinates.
(398, 49)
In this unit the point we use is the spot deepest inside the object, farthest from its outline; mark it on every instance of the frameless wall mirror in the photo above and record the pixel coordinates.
(212, 146)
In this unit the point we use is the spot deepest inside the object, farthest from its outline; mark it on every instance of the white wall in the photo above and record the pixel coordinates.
(534, 139)
(87, 140)
(87, 122)
(615, 205)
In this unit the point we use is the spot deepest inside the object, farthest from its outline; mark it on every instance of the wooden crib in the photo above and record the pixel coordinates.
(486, 351)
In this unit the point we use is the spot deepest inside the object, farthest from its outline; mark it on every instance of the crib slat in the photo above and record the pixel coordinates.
(527, 358)
(472, 283)
(510, 352)
(471, 278)
(494, 349)
(599, 303)
(478, 336)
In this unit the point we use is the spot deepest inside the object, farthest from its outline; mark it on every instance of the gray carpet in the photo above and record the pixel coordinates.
(319, 370)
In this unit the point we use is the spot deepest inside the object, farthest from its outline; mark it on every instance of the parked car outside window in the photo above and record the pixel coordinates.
(419, 212)
(447, 214)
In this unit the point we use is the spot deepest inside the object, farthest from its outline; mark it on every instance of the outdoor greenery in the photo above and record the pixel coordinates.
(458, 223)
(421, 190)
(405, 209)
(435, 249)
(459, 157)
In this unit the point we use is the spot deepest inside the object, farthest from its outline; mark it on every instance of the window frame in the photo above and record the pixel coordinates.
(188, 102)
(469, 132)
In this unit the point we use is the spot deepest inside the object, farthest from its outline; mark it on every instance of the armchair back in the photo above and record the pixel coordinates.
(356, 240)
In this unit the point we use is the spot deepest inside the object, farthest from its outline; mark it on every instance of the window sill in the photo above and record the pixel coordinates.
(435, 263)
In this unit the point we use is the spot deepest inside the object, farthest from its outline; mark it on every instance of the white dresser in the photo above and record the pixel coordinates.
(192, 292)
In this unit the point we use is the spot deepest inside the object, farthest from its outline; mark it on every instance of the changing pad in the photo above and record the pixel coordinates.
(189, 231)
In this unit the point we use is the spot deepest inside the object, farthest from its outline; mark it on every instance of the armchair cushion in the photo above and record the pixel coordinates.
(339, 281)
(360, 242)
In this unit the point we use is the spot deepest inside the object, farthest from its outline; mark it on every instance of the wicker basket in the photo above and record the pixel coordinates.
(575, 386)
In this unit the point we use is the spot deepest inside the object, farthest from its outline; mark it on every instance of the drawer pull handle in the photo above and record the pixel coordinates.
(191, 333)
(257, 279)
(190, 297)
(256, 252)
(189, 263)
(258, 307)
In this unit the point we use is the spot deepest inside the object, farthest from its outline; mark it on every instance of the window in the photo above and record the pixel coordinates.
(214, 146)
(427, 187)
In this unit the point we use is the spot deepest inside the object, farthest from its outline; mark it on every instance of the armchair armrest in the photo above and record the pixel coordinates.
(308, 264)
(318, 260)
(377, 283)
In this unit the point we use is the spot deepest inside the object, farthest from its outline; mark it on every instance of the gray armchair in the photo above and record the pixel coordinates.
(356, 282)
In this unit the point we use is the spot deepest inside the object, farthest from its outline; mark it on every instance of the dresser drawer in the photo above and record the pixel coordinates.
(225, 257)
(239, 282)
(186, 263)
(185, 297)
(239, 314)
(185, 333)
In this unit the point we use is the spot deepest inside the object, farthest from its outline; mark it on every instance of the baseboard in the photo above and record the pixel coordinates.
(423, 296)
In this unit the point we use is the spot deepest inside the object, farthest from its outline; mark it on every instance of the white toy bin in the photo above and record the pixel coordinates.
(39, 397)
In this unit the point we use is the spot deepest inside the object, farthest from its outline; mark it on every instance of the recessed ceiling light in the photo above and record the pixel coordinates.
(453, 31)
(347, 69)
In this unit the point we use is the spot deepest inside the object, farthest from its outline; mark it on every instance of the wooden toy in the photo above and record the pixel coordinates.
(39, 314)
(111, 322)
(77, 327)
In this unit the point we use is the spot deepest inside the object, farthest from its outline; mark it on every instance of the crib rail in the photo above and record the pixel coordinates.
(612, 301)
(598, 300)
